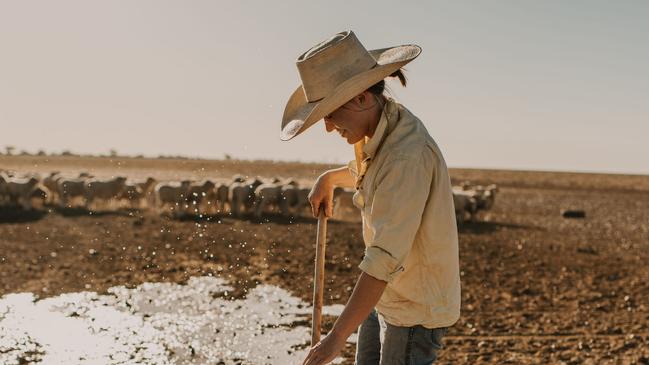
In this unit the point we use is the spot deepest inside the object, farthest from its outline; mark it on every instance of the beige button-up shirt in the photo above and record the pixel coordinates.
(405, 197)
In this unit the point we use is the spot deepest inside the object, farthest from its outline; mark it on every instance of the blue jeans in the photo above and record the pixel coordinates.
(380, 343)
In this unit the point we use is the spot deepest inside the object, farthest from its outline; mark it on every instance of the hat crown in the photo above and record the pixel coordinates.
(330, 63)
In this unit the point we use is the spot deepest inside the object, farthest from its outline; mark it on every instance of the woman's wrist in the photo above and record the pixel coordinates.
(338, 336)
(325, 178)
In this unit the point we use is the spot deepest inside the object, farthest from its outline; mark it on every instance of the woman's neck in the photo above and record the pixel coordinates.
(376, 115)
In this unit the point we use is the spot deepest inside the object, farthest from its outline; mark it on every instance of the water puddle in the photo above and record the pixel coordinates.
(157, 323)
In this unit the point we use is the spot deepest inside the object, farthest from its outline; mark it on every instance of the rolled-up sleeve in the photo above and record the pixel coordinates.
(351, 166)
(402, 187)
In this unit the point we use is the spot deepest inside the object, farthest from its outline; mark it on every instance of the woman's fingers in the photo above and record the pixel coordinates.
(312, 357)
(329, 212)
(315, 203)
(321, 197)
(323, 204)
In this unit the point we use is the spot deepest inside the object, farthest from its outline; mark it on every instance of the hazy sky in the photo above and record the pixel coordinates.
(551, 85)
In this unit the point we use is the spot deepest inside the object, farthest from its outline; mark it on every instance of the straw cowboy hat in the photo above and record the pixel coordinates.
(334, 72)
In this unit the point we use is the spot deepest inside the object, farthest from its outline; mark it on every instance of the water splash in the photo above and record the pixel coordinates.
(157, 323)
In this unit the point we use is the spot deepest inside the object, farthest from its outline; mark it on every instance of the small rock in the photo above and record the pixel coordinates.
(573, 213)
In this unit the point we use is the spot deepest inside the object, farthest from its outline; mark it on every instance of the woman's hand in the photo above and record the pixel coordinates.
(322, 195)
(366, 294)
(325, 351)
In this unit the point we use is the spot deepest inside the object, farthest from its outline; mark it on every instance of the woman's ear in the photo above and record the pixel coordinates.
(361, 99)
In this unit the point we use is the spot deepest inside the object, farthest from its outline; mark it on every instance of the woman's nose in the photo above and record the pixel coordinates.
(329, 126)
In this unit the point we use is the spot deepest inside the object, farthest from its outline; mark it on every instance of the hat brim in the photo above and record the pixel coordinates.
(300, 114)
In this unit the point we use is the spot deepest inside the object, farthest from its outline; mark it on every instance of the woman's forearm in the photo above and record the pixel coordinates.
(340, 177)
(366, 294)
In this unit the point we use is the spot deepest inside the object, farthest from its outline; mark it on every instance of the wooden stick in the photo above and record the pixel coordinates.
(318, 281)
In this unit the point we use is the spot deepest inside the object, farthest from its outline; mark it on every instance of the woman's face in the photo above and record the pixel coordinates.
(349, 120)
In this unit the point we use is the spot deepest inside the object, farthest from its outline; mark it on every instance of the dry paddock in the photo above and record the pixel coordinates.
(537, 287)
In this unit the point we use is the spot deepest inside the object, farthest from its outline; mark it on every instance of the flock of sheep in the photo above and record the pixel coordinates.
(237, 197)
(471, 199)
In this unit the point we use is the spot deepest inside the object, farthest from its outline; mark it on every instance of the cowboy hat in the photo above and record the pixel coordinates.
(334, 72)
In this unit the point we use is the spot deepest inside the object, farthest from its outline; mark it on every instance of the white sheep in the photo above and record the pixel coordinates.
(242, 196)
(139, 194)
(272, 196)
(289, 198)
(104, 190)
(200, 197)
(465, 205)
(51, 182)
(70, 191)
(27, 193)
(221, 199)
(344, 208)
(4, 197)
(486, 196)
(172, 194)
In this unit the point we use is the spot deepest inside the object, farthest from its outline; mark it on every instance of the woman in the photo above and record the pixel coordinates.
(408, 292)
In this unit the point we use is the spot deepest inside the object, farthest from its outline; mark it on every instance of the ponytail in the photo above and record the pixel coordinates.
(379, 87)
(402, 77)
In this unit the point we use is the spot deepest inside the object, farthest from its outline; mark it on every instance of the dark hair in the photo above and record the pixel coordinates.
(379, 87)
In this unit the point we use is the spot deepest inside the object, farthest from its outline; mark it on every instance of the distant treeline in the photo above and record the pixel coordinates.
(11, 151)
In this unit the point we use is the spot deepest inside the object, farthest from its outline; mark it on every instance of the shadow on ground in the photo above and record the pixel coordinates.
(274, 218)
(479, 227)
(18, 215)
(79, 211)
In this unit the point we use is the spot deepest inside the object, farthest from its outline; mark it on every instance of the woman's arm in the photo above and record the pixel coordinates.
(322, 192)
(340, 177)
(366, 294)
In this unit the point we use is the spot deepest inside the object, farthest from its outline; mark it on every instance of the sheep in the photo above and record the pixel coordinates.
(200, 196)
(296, 203)
(3, 188)
(138, 194)
(221, 200)
(272, 195)
(486, 196)
(51, 182)
(344, 208)
(172, 194)
(302, 206)
(289, 198)
(69, 190)
(146, 190)
(465, 203)
(18, 190)
(37, 197)
(7, 173)
(238, 178)
(242, 196)
(104, 190)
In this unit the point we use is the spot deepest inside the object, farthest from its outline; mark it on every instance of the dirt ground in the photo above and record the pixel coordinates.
(536, 287)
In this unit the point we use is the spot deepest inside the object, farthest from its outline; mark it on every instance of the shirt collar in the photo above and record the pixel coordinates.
(387, 117)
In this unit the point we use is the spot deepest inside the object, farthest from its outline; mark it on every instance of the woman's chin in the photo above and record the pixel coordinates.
(352, 140)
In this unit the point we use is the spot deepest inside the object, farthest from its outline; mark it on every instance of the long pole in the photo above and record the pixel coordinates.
(318, 281)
